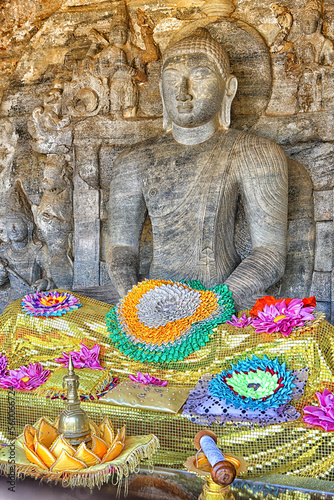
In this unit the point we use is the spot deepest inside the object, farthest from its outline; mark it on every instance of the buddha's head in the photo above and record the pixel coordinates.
(312, 16)
(197, 85)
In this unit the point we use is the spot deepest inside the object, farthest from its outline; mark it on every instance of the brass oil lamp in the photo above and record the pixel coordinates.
(73, 421)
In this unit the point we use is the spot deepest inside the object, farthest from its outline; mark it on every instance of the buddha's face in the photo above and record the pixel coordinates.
(310, 22)
(119, 35)
(192, 88)
(17, 229)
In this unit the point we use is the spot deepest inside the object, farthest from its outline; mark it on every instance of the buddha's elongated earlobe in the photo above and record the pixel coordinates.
(231, 87)
(166, 121)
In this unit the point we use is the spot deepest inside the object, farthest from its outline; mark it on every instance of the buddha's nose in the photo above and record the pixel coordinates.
(183, 94)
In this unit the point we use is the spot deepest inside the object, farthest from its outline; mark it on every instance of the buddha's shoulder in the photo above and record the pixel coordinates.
(253, 140)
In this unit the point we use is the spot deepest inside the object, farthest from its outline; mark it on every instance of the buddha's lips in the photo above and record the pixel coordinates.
(185, 108)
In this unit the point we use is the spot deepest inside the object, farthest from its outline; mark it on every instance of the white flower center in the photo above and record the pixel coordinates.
(166, 303)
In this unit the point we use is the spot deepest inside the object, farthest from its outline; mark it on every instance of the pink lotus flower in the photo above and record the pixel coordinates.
(282, 317)
(148, 379)
(240, 322)
(25, 377)
(3, 364)
(85, 358)
(322, 416)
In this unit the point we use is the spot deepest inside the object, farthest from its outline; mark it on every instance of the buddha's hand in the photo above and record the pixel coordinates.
(41, 285)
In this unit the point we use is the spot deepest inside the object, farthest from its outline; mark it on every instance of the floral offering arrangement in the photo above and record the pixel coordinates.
(51, 303)
(85, 358)
(162, 321)
(254, 390)
(277, 315)
(254, 383)
(323, 415)
(23, 378)
(148, 379)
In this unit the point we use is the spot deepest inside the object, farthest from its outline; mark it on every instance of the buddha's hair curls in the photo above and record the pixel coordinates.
(200, 41)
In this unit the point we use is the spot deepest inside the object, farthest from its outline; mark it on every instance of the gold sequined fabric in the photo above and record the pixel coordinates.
(292, 447)
(92, 382)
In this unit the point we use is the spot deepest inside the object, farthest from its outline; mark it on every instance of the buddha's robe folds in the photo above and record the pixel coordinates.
(191, 195)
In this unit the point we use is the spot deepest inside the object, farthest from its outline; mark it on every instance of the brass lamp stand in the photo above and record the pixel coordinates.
(214, 488)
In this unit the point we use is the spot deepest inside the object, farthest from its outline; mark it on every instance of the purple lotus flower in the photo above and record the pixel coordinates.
(25, 377)
(240, 322)
(148, 379)
(85, 358)
(282, 317)
(322, 416)
(51, 303)
(3, 364)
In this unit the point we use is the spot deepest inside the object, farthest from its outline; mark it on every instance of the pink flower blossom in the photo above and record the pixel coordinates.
(322, 416)
(148, 379)
(282, 317)
(25, 377)
(85, 358)
(3, 364)
(240, 322)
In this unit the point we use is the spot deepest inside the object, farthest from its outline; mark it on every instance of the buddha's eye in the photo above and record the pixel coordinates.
(201, 73)
(171, 77)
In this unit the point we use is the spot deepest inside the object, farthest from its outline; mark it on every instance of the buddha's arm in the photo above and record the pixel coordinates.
(264, 189)
(126, 217)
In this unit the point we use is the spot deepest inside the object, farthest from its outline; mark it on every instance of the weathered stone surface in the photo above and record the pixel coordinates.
(321, 286)
(319, 161)
(324, 246)
(323, 205)
(297, 278)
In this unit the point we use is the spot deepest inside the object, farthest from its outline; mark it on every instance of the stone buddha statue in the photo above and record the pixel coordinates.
(190, 181)
(24, 260)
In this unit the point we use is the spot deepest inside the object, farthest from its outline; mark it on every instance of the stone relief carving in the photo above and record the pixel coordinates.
(51, 132)
(24, 260)
(311, 60)
(106, 81)
(8, 143)
(284, 20)
(189, 180)
(54, 217)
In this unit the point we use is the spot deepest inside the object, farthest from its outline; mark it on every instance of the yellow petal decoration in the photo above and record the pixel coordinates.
(50, 450)
(34, 458)
(86, 456)
(46, 433)
(44, 454)
(94, 428)
(29, 434)
(117, 446)
(61, 444)
(99, 447)
(66, 462)
(107, 432)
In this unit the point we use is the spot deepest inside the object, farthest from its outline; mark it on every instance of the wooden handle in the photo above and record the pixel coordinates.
(223, 473)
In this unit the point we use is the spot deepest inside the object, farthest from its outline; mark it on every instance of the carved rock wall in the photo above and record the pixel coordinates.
(55, 71)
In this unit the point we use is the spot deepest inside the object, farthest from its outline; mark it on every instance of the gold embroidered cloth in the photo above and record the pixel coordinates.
(287, 448)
